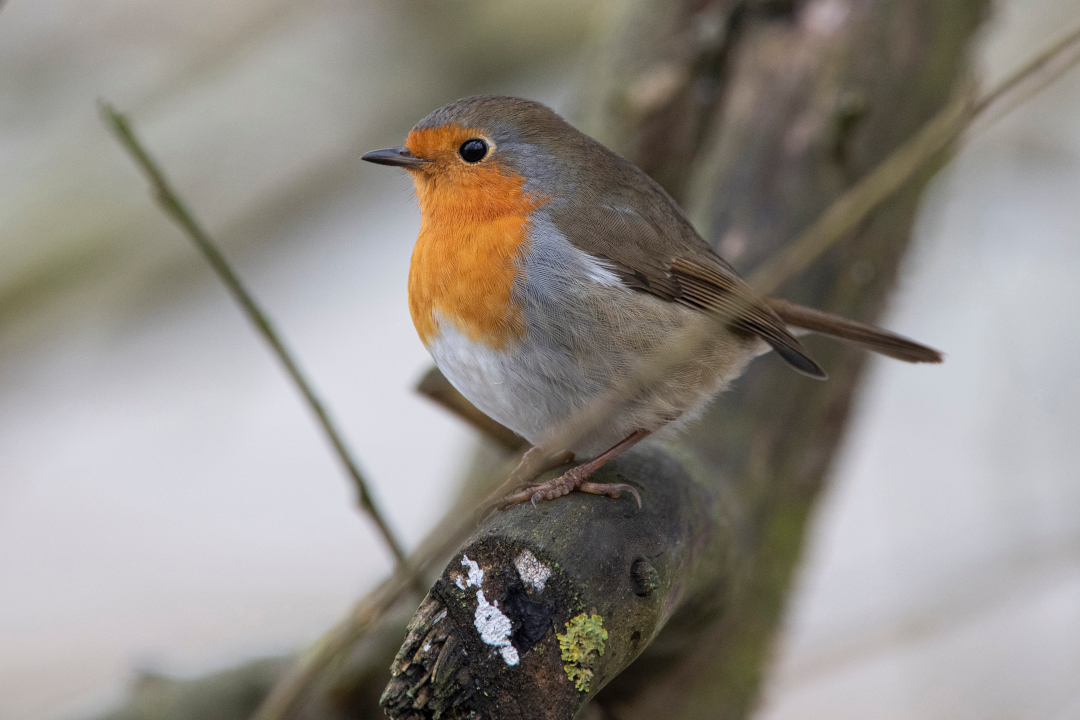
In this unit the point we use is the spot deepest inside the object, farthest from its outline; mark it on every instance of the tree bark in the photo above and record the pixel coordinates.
(544, 605)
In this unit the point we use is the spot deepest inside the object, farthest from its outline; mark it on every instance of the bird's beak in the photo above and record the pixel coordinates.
(398, 157)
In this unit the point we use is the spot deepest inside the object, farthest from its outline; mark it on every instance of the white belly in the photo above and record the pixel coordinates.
(594, 353)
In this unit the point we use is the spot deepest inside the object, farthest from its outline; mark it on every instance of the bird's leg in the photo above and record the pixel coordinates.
(576, 478)
(534, 463)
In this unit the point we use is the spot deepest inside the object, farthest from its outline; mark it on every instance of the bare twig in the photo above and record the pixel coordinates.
(450, 532)
(364, 616)
(434, 385)
(1027, 80)
(851, 208)
(915, 155)
(174, 207)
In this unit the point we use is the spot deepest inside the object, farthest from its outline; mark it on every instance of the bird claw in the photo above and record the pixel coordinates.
(633, 491)
(611, 490)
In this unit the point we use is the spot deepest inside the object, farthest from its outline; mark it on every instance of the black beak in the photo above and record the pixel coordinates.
(398, 157)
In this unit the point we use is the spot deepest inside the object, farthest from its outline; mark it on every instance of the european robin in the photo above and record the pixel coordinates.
(548, 269)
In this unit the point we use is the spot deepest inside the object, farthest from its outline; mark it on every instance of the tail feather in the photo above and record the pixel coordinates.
(857, 333)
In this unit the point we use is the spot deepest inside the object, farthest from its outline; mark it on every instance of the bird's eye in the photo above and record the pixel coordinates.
(473, 151)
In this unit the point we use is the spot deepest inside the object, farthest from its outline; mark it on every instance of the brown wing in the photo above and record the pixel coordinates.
(711, 289)
(612, 210)
(657, 251)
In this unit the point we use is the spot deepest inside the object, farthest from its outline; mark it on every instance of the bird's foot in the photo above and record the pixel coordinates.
(576, 478)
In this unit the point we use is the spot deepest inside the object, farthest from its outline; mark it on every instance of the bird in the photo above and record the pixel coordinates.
(548, 269)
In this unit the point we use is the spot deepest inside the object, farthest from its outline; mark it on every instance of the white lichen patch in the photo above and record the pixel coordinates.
(476, 575)
(532, 571)
(494, 628)
(489, 621)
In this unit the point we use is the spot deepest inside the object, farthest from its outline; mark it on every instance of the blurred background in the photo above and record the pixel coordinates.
(167, 504)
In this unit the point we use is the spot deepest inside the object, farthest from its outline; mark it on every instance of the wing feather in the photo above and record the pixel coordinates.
(683, 269)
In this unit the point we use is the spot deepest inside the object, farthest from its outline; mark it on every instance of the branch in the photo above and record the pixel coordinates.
(375, 608)
(914, 156)
(174, 207)
(435, 386)
(544, 606)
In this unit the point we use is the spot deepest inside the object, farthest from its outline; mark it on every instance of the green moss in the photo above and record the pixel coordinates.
(582, 646)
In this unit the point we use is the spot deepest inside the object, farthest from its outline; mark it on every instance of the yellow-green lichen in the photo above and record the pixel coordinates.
(581, 646)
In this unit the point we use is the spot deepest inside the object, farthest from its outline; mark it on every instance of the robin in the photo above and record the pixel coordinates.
(548, 269)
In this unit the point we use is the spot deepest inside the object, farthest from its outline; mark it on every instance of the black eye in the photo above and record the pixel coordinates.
(473, 151)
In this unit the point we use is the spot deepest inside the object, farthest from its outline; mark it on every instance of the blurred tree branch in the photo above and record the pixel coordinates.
(175, 208)
(435, 386)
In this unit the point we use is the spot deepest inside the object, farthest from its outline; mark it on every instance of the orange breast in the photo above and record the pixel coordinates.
(473, 232)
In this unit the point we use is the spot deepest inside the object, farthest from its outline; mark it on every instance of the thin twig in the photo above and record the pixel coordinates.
(850, 209)
(367, 613)
(1031, 72)
(904, 163)
(915, 155)
(174, 207)
(454, 528)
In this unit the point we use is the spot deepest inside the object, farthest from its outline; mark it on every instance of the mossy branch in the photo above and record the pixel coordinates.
(543, 606)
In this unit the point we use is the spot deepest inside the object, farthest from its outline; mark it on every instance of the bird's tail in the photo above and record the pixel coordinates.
(857, 333)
